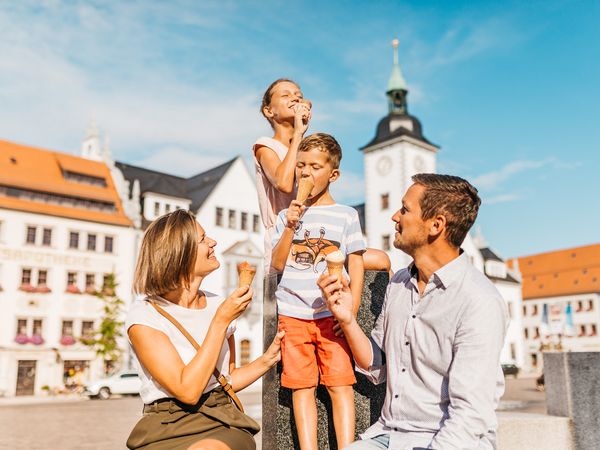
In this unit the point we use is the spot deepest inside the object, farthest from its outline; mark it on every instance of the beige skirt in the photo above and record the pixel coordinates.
(170, 424)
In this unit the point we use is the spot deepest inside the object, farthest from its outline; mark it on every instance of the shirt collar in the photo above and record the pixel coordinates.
(445, 275)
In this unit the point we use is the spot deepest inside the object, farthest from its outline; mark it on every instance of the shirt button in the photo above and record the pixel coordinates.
(406, 343)
(403, 370)
(396, 396)
(414, 316)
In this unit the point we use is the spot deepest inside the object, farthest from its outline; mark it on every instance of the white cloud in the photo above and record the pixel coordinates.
(503, 198)
(492, 180)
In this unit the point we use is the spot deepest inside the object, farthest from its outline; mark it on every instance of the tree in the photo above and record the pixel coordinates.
(105, 340)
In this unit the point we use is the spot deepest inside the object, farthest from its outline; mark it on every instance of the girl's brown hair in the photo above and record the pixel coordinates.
(266, 100)
(167, 255)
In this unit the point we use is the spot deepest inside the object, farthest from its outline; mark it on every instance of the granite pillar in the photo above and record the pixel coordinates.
(279, 431)
(572, 385)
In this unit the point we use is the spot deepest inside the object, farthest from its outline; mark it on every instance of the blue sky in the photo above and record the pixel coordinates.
(509, 90)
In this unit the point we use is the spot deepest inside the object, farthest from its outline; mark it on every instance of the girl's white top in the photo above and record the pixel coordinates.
(270, 199)
(195, 321)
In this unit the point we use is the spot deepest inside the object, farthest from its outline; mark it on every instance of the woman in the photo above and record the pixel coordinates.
(185, 405)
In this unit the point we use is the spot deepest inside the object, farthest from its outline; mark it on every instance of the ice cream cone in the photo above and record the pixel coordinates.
(335, 264)
(305, 185)
(246, 271)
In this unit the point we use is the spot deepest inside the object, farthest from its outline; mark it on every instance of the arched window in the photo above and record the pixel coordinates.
(244, 352)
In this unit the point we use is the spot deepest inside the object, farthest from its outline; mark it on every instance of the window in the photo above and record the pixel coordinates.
(42, 277)
(47, 237)
(156, 209)
(108, 244)
(37, 327)
(526, 333)
(535, 310)
(91, 243)
(90, 282)
(31, 232)
(22, 327)
(385, 201)
(87, 328)
(26, 276)
(73, 239)
(537, 333)
(524, 310)
(167, 208)
(105, 279)
(255, 220)
(593, 330)
(581, 330)
(231, 218)
(590, 305)
(71, 278)
(579, 306)
(244, 352)
(385, 242)
(219, 217)
(244, 224)
(67, 328)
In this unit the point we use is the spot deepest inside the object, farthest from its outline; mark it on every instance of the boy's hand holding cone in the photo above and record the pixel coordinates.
(246, 271)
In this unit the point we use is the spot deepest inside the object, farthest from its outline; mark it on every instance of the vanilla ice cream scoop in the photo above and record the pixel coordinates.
(335, 263)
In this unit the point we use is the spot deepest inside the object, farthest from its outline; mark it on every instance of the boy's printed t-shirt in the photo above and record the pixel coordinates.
(321, 231)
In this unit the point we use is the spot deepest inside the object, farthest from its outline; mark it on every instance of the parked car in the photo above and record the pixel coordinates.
(510, 369)
(125, 382)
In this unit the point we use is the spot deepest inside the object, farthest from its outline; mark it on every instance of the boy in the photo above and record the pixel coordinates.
(304, 236)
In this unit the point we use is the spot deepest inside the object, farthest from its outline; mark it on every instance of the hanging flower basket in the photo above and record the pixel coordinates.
(90, 290)
(72, 289)
(27, 288)
(67, 340)
(43, 289)
(37, 339)
(21, 339)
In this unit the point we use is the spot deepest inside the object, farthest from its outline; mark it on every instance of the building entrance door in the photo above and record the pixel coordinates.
(26, 377)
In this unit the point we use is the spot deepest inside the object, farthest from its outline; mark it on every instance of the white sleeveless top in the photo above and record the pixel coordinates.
(195, 321)
(270, 200)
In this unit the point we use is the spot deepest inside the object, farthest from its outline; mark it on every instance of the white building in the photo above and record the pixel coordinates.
(398, 151)
(62, 230)
(224, 200)
(561, 301)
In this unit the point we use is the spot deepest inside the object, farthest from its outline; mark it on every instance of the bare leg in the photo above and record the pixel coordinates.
(305, 413)
(376, 260)
(342, 403)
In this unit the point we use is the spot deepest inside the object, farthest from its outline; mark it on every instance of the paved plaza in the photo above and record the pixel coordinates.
(81, 424)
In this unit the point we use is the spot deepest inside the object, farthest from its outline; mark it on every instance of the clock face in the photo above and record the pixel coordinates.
(384, 165)
(419, 163)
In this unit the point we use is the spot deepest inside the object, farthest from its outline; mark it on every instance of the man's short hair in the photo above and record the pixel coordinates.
(452, 197)
(326, 143)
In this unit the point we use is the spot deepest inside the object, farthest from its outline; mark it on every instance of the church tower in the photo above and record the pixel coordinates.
(398, 151)
(90, 147)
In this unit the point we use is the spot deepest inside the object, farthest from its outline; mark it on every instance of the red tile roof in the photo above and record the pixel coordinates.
(561, 272)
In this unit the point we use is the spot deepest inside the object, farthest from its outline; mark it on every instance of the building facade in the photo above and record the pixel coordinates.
(561, 301)
(62, 232)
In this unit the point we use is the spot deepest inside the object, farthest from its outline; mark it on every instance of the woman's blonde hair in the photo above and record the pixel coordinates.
(167, 255)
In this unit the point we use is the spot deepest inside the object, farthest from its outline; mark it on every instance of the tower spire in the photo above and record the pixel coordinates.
(397, 87)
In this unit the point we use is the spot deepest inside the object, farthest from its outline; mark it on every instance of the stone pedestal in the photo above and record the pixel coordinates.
(572, 382)
(278, 429)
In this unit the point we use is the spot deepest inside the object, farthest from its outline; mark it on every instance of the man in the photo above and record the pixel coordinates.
(437, 341)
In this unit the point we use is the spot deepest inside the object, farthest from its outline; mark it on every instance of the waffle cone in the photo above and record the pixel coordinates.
(335, 268)
(305, 185)
(246, 273)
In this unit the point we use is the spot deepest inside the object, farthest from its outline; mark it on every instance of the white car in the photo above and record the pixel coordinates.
(125, 382)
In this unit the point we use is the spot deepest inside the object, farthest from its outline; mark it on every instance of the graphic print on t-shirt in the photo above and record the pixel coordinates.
(309, 252)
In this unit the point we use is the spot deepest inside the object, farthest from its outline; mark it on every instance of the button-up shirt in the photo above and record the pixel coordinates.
(439, 353)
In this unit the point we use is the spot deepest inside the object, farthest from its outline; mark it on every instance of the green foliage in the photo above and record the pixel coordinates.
(105, 339)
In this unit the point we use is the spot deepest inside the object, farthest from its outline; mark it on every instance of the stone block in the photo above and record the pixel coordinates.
(279, 431)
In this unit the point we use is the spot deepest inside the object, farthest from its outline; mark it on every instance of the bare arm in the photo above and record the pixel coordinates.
(357, 275)
(158, 355)
(241, 377)
(281, 250)
(281, 173)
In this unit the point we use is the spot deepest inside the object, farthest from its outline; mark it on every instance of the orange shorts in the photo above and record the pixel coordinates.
(310, 348)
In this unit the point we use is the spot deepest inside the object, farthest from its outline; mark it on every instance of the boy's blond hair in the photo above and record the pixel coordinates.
(326, 143)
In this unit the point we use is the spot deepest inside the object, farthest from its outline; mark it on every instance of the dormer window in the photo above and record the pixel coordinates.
(496, 269)
(83, 178)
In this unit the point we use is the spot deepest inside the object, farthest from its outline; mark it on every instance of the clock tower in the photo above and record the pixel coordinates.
(398, 151)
